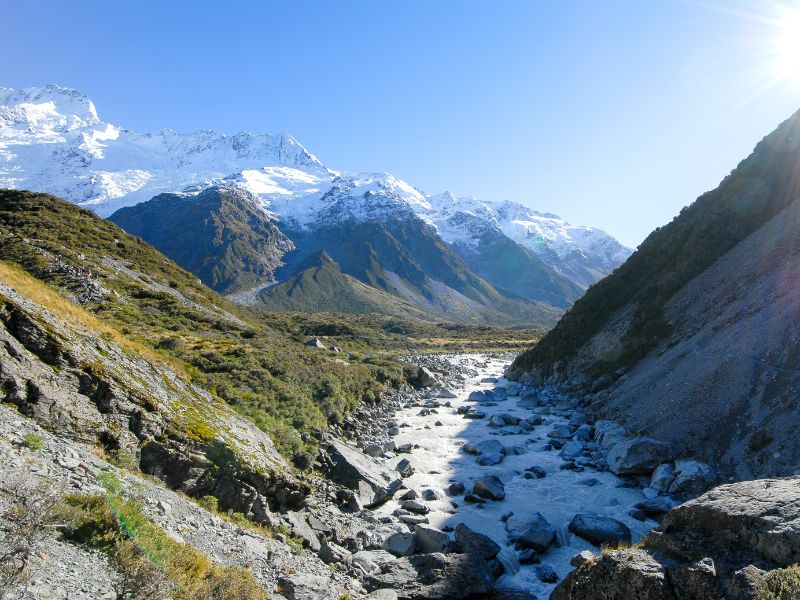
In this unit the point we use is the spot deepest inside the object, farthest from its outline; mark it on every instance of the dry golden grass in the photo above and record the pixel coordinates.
(66, 310)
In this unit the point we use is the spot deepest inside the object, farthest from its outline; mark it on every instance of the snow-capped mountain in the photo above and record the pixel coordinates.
(52, 140)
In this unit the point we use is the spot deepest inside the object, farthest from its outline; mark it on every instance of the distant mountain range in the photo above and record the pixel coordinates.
(259, 218)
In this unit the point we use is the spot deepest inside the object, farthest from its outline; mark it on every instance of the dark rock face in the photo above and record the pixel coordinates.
(472, 541)
(489, 487)
(435, 576)
(600, 530)
(221, 235)
(536, 533)
(95, 392)
(739, 541)
(371, 481)
(638, 456)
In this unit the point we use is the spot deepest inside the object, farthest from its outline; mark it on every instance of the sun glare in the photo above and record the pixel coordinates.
(789, 45)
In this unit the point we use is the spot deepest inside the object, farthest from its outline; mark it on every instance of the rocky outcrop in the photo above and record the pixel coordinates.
(372, 483)
(435, 576)
(737, 541)
(73, 381)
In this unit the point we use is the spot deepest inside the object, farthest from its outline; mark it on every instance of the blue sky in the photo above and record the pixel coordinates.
(614, 113)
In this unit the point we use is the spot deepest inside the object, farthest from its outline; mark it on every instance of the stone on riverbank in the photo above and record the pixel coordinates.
(638, 456)
(489, 487)
(600, 530)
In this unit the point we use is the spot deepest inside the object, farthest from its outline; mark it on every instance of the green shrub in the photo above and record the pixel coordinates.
(33, 441)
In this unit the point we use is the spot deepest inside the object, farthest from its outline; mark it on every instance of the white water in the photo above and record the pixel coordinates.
(439, 461)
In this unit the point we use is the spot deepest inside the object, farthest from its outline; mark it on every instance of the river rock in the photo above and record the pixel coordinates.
(401, 544)
(333, 554)
(608, 433)
(545, 573)
(477, 396)
(662, 477)
(654, 507)
(404, 468)
(490, 459)
(435, 576)
(484, 447)
(692, 478)
(535, 532)
(456, 488)
(470, 540)
(638, 456)
(489, 487)
(304, 586)
(600, 530)
(583, 557)
(415, 506)
(562, 432)
(373, 450)
(572, 449)
(372, 482)
(446, 393)
(431, 539)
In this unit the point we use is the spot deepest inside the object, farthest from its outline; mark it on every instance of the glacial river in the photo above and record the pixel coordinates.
(440, 460)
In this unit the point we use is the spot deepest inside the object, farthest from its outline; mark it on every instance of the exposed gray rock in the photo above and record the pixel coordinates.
(662, 477)
(654, 507)
(489, 487)
(415, 506)
(692, 478)
(302, 586)
(536, 533)
(490, 459)
(315, 343)
(431, 539)
(333, 554)
(404, 468)
(472, 541)
(617, 575)
(639, 455)
(301, 529)
(484, 447)
(401, 544)
(435, 577)
(599, 529)
(372, 482)
(583, 557)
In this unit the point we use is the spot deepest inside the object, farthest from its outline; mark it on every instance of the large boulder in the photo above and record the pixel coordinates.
(401, 544)
(638, 456)
(600, 530)
(484, 447)
(535, 532)
(301, 529)
(739, 541)
(489, 487)
(692, 478)
(431, 539)
(372, 482)
(662, 478)
(435, 576)
(470, 540)
(761, 516)
(617, 575)
(304, 586)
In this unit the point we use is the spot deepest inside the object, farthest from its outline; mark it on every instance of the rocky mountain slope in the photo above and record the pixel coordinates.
(405, 265)
(695, 338)
(52, 140)
(221, 235)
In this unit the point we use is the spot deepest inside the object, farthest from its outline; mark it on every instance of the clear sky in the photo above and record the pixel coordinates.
(614, 113)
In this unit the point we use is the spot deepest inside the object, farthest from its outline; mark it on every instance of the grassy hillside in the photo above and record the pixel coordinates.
(762, 185)
(255, 360)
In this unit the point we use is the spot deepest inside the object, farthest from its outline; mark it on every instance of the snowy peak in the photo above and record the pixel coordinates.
(47, 109)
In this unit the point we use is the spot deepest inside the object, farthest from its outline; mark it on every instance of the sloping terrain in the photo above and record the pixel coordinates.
(221, 235)
(266, 373)
(698, 333)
